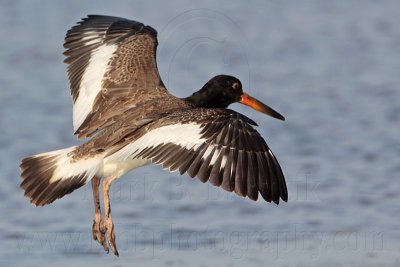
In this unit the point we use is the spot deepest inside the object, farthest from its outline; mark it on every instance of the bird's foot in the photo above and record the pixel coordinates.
(109, 225)
(99, 233)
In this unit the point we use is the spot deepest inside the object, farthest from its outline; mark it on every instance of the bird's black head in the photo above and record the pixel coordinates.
(219, 92)
(223, 90)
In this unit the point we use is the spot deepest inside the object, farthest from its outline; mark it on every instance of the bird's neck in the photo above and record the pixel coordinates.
(199, 99)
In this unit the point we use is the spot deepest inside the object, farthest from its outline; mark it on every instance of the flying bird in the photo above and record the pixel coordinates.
(122, 105)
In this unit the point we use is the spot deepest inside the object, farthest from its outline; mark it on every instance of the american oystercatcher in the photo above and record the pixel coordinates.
(121, 102)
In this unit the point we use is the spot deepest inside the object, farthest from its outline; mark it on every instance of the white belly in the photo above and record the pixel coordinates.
(119, 168)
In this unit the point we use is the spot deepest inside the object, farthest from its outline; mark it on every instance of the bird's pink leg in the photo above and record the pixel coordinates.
(98, 228)
(107, 211)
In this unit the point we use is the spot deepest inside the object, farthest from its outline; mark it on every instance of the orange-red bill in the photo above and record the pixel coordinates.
(259, 106)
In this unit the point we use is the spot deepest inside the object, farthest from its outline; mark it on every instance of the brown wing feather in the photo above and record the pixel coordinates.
(132, 76)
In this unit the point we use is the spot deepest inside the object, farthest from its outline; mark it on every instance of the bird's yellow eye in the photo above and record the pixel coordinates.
(235, 86)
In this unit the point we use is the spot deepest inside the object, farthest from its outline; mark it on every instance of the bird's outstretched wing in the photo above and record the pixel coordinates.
(111, 67)
(218, 145)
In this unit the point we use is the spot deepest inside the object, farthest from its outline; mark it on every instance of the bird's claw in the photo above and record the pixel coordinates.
(99, 233)
(111, 236)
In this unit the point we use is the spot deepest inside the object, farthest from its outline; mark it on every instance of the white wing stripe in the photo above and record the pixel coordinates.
(91, 82)
(184, 135)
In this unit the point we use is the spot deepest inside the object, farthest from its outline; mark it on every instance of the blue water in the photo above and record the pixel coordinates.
(331, 67)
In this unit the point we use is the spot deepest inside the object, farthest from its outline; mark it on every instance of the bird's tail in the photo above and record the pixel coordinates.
(52, 175)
